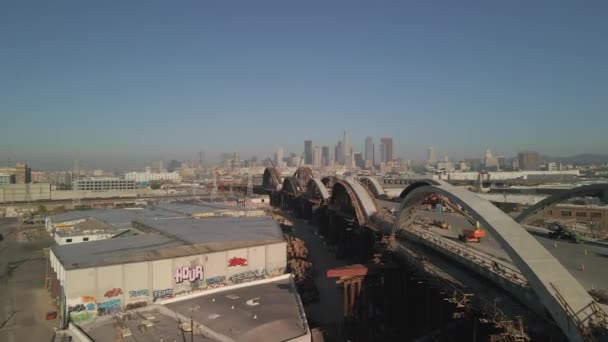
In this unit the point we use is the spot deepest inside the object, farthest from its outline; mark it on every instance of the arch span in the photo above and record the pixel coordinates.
(316, 189)
(271, 180)
(600, 190)
(303, 174)
(351, 197)
(291, 186)
(372, 184)
(551, 282)
(415, 185)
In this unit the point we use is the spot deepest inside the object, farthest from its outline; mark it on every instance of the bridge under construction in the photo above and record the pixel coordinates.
(523, 290)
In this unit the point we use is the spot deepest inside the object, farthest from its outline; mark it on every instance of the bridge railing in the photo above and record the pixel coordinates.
(484, 260)
(463, 300)
(588, 319)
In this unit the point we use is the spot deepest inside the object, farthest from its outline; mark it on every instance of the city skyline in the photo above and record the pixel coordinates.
(108, 85)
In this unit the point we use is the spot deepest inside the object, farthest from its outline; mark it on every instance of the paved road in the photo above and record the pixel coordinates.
(571, 255)
(23, 299)
(328, 312)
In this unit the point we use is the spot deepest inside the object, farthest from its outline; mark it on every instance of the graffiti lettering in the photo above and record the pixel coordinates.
(188, 273)
(88, 299)
(136, 305)
(139, 293)
(237, 262)
(76, 308)
(216, 282)
(108, 307)
(82, 316)
(113, 293)
(247, 276)
(160, 294)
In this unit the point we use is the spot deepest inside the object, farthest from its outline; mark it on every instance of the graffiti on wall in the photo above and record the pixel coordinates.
(108, 307)
(188, 273)
(81, 307)
(113, 293)
(84, 310)
(247, 276)
(162, 294)
(235, 262)
(82, 316)
(139, 293)
(135, 305)
(215, 282)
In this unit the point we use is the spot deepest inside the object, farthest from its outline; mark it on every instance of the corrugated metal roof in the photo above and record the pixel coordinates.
(171, 238)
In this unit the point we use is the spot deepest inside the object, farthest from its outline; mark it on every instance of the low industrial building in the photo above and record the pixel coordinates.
(84, 230)
(265, 310)
(595, 216)
(175, 256)
(104, 184)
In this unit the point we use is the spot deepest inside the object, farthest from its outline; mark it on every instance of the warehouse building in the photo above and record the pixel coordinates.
(174, 256)
(264, 310)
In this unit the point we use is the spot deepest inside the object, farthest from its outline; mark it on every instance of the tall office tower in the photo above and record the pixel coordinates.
(528, 160)
(431, 159)
(383, 152)
(389, 148)
(308, 152)
(339, 155)
(316, 157)
(358, 158)
(347, 149)
(325, 155)
(278, 157)
(369, 149)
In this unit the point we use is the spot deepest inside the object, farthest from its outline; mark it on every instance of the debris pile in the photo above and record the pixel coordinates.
(301, 269)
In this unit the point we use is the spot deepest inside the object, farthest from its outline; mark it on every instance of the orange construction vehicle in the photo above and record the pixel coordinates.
(472, 235)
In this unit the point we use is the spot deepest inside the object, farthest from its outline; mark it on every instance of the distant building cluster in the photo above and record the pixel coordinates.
(20, 174)
(148, 176)
(343, 156)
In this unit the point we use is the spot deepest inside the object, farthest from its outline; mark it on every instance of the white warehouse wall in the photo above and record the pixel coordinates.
(104, 290)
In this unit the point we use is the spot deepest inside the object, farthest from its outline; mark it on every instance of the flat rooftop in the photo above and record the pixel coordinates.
(271, 311)
(122, 218)
(170, 238)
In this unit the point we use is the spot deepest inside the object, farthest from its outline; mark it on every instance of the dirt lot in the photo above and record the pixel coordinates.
(23, 298)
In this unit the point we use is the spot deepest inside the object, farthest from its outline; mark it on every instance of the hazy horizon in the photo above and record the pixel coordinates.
(118, 85)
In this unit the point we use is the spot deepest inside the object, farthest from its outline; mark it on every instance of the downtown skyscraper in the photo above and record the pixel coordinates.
(369, 150)
(386, 146)
(347, 149)
(308, 152)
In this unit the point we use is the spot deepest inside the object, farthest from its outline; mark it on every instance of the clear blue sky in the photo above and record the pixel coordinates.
(139, 80)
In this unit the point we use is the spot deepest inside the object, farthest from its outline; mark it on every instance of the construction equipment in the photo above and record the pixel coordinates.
(472, 235)
(441, 224)
(561, 231)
